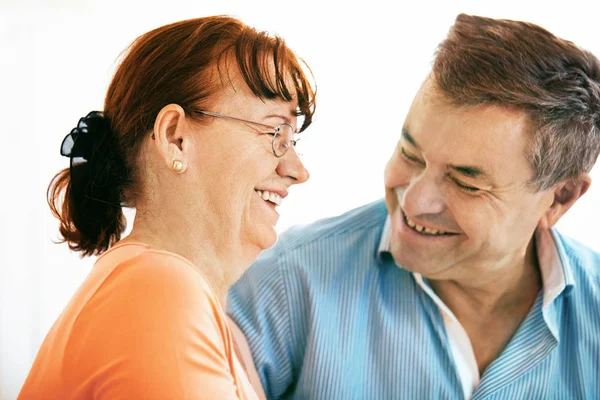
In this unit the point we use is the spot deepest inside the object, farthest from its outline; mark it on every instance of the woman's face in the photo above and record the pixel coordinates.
(240, 177)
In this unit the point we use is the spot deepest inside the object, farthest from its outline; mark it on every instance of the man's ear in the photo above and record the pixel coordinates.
(566, 194)
(169, 135)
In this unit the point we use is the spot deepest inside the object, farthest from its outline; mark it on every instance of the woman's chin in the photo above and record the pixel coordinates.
(266, 237)
(261, 224)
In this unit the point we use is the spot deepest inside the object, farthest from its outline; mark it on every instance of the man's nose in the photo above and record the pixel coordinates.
(424, 195)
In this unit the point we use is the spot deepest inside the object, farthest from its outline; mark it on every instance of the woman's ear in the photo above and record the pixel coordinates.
(169, 135)
(565, 195)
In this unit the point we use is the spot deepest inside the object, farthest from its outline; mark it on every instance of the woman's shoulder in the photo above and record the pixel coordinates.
(153, 309)
(141, 258)
(138, 270)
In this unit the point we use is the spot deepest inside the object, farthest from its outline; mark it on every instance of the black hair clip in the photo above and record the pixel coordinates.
(79, 143)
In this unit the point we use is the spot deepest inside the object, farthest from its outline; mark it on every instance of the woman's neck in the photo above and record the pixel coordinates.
(207, 242)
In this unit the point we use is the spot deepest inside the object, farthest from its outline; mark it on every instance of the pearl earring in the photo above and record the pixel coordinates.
(177, 166)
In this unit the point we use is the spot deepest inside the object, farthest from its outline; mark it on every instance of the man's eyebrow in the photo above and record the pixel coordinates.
(409, 138)
(470, 171)
(465, 170)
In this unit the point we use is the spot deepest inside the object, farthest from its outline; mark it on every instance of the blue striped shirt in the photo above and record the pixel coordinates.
(329, 315)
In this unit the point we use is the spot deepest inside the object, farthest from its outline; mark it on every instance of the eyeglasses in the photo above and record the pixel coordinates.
(284, 135)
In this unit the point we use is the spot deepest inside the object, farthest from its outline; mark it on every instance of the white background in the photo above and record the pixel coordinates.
(368, 59)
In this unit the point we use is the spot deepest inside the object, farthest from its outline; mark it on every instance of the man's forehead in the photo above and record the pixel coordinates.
(488, 120)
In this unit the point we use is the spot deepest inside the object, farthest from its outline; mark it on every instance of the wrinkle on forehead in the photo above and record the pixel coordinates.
(489, 136)
(432, 95)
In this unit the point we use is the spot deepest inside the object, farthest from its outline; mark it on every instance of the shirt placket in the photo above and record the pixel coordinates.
(531, 344)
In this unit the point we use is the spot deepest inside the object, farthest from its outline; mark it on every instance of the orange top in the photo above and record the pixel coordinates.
(143, 325)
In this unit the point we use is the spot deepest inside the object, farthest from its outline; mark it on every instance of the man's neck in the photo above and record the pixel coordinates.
(499, 291)
(492, 309)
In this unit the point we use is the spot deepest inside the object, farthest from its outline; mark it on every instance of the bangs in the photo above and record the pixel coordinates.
(272, 71)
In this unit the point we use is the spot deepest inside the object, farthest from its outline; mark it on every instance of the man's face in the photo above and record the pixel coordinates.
(456, 188)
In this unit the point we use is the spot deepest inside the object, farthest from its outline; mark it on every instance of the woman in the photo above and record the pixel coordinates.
(198, 134)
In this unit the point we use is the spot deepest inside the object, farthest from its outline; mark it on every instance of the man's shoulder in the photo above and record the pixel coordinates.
(363, 220)
(326, 238)
(582, 301)
(582, 259)
(309, 254)
(582, 266)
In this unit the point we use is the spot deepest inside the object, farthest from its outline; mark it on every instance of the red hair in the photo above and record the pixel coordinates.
(172, 64)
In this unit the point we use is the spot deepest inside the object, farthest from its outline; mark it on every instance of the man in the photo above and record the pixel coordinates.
(457, 286)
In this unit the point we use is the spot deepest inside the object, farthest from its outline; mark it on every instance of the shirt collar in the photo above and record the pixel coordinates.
(555, 269)
(557, 275)
(384, 242)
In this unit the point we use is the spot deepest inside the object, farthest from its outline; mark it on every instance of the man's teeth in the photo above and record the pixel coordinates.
(422, 229)
(269, 196)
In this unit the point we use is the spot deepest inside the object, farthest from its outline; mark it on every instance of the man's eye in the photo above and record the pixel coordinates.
(466, 188)
(410, 158)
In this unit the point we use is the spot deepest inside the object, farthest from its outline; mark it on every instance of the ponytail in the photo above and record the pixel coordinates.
(87, 196)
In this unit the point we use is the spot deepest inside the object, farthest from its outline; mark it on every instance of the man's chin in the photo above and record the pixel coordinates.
(424, 267)
(411, 267)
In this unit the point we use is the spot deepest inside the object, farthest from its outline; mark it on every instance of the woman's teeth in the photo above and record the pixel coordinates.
(422, 229)
(269, 196)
